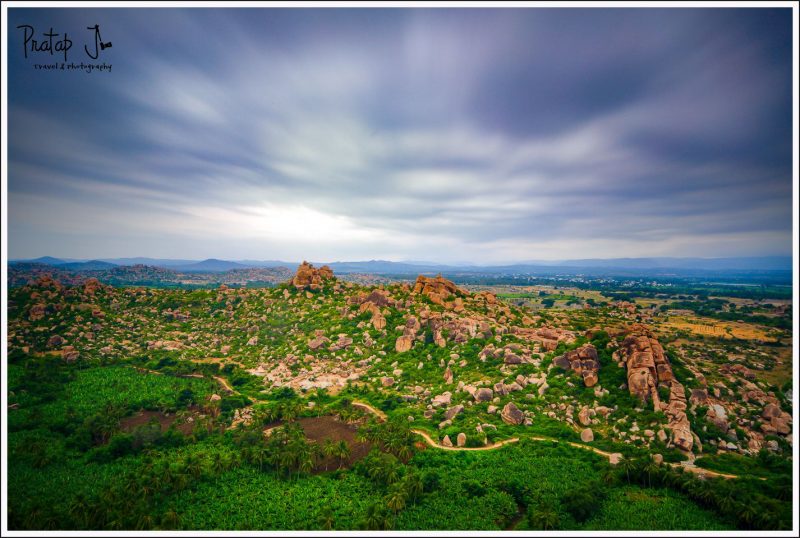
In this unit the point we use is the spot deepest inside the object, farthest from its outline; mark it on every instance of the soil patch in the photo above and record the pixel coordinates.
(165, 420)
(320, 429)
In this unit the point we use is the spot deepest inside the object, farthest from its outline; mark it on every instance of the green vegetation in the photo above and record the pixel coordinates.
(124, 433)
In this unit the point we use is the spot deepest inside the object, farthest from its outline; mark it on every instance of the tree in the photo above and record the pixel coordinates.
(329, 448)
(396, 499)
(79, 510)
(413, 485)
(342, 452)
(582, 503)
(325, 518)
(376, 518)
(627, 465)
(543, 517)
(170, 519)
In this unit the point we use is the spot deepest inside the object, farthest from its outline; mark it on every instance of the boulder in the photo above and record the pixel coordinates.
(698, 396)
(318, 342)
(682, 437)
(448, 376)
(453, 411)
(387, 381)
(69, 354)
(343, 342)
(717, 415)
(446, 441)
(590, 378)
(403, 344)
(378, 321)
(511, 414)
(55, 341)
(583, 361)
(587, 436)
(771, 410)
(583, 416)
(441, 400)
(461, 440)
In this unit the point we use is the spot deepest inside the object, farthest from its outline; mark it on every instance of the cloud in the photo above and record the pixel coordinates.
(497, 135)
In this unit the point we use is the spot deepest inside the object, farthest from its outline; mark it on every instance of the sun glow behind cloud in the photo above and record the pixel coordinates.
(422, 134)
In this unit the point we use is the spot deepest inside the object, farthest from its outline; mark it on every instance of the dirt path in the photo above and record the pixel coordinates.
(429, 440)
(434, 444)
(377, 412)
(225, 385)
(222, 381)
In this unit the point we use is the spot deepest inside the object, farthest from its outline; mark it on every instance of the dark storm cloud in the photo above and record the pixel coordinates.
(448, 134)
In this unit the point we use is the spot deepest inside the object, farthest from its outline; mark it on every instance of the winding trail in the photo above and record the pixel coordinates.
(222, 381)
(434, 444)
(429, 440)
(377, 412)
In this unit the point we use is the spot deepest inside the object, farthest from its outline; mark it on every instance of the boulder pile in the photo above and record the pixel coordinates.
(583, 361)
(308, 277)
(438, 290)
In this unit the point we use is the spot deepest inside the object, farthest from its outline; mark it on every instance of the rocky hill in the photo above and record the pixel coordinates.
(465, 366)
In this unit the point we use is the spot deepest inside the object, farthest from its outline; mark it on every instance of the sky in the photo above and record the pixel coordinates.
(445, 135)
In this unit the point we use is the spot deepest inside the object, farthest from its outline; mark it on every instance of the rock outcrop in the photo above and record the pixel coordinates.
(582, 361)
(646, 363)
(311, 278)
(648, 368)
(438, 290)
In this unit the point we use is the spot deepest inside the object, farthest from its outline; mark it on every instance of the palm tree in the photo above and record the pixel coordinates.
(259, 455)
(145, 521)
(390, 474)
(131, 486)
(396, 500)
(376, 518)
(33, 520)
(649, 468)
(194, 465)
(218, 463)
(748, 513)
(79, 510)
(325, 518)
(329, 448)
(627, 465)
(170, 519)
(305, 461)
(609, 477)
(286, 461)
(403, 452)
(413, 485)
(543, 518)
(342, 452)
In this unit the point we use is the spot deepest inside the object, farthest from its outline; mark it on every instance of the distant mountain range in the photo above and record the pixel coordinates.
(637, 266)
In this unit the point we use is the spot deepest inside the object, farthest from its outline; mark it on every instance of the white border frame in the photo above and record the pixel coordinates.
(389, 4)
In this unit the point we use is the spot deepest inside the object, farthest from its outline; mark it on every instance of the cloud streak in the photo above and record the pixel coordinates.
(489, 135)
